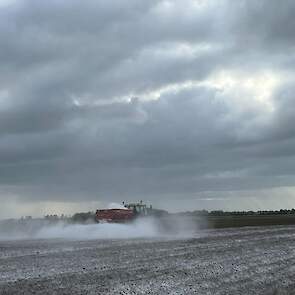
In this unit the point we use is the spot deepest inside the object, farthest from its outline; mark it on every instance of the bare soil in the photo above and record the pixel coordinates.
(249, 260)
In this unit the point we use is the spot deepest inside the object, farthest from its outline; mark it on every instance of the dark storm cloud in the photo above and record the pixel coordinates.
(123, 98)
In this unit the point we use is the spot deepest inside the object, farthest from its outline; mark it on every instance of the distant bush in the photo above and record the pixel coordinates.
(83, 217)
(158, 212)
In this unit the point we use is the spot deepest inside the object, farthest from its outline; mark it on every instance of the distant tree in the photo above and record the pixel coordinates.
(158, 212)
(83, 217)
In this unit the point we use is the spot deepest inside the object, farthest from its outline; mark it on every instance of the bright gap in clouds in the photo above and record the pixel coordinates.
(4, 3)
(237, 87)
(254, 88)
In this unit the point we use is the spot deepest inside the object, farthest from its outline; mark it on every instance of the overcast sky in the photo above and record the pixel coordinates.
(183, 104)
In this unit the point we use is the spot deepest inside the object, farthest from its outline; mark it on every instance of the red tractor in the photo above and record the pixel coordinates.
(126, 214)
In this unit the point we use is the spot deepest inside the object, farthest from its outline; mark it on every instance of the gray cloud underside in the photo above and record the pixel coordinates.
(76, 116)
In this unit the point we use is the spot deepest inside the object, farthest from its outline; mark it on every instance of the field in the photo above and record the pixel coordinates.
(249, 220)
(249, 260)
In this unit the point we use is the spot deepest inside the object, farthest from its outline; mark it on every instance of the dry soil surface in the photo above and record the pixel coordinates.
(258, 260)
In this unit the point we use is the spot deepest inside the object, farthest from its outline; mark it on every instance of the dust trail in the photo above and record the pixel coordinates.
(143, 228)
(147, 227)
(139, 229)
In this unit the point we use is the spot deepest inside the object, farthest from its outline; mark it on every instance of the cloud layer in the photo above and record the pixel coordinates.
(157, 100)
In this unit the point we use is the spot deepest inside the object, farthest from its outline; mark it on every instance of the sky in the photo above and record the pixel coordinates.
(183, 104)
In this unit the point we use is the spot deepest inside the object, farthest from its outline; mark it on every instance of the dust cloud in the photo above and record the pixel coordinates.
(147, 227)
(141, 228)
(144, 228)
(138, 229)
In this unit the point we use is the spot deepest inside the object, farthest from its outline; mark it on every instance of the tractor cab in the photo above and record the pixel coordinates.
(139, 209)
